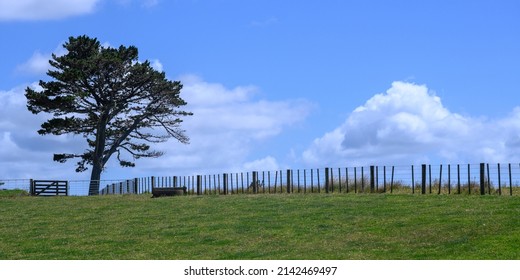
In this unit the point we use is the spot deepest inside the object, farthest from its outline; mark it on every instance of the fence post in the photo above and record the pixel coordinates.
(355, 180)
(327, 179)
(199, 184)
(255, 182)
(31, 187)
(225, 182)
(482, 179)
(153, 182)
(499, 182)
(372, 178)
(413, 180)
(289, 183)
(469, 178)
(430, 177)
(449, 179)
(136, 186)
(362, 180)
(423, 179)
(510, 182)
(392, 180)
(440, 180)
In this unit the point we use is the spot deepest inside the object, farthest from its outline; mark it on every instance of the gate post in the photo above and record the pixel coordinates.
(31, 187)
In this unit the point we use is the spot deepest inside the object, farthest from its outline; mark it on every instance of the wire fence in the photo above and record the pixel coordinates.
(424, 179)
(498, 179)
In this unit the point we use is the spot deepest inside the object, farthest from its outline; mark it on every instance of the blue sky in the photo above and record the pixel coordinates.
(286, 84)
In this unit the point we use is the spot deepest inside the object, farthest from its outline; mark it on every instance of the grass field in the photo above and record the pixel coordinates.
(296, 226)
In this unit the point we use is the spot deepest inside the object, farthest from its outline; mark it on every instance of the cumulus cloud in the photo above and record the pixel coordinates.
(267, 163)
(43, 10)
(228, 123)
(23, 153)
(409, 124)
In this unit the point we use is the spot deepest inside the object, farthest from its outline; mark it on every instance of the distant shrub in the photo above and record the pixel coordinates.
(13, 193)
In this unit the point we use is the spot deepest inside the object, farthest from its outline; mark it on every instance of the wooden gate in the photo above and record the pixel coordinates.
(49, 187)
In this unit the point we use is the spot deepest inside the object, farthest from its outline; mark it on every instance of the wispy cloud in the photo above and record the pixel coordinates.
(44, 10)
(38, 63)
(264, 22)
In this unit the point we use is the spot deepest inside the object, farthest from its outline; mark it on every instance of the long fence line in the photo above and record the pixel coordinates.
(424, 179)
(499, 179)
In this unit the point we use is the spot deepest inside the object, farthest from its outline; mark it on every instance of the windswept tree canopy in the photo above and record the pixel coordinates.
(120, 105)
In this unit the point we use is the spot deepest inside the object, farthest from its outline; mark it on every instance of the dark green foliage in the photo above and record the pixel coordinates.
(110, 98)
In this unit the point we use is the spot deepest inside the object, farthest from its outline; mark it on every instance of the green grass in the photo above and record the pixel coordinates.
(296, 226)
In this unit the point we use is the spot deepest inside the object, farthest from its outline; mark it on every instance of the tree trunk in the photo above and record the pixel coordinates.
(95, 176)
(97, 161)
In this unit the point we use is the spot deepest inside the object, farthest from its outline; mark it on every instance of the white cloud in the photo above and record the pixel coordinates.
(23, 153)
(42, 10)
(223, 135)
(38, 63)
(268, 163)
(409, 124)
(226, 126)
(157, 65)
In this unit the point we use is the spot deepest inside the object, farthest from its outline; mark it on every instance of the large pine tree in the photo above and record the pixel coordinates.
(113, 100)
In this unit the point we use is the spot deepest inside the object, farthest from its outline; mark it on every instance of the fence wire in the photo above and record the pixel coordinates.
(499, 179)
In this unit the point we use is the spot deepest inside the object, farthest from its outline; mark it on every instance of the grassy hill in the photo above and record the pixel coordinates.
(296, 226)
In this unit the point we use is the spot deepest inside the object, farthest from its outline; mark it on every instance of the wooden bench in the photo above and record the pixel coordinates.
(157, 192)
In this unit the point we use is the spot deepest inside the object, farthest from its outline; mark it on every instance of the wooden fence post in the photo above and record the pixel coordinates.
(392, 180)
(423, 179)
(440, 180)
(384, 179)
(289, 181)
(430, 177)
(449, 179)
(499, 181)
(199, 184)
(372, 178)
(469, 178)
(510, 182)
(482, 179)
(362, 180)
(413, 181)
(255, 182)
(31, 187)
(327, 179)
(355, 180)
(225, 182)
